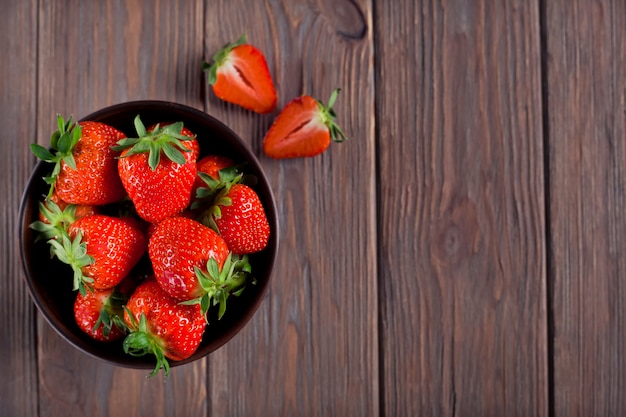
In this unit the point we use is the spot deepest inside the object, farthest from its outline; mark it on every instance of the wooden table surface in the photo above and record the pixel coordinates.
(463, 254)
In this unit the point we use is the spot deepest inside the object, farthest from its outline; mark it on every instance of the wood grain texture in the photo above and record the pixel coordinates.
(311, 349)
(18, 385)
(92, 55)
(586, 61)
(461, 199)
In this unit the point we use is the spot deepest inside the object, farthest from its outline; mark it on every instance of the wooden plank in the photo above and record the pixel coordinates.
(95, 54)
(18, 386)
(462, 261)
(311, 349)
(587, 103)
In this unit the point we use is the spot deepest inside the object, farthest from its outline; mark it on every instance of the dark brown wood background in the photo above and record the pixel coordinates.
(462, 255)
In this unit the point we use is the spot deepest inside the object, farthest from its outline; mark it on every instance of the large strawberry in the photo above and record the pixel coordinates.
(239, 75)
(303, 128)
(192, 263)
(85, 168)
(237, 214)
(94, 312)
(162, 326)
(102, 250)
(158, 169)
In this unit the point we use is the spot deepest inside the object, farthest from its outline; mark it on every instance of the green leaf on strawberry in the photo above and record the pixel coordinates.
(167, 139)
(220, 284)
(74, 253)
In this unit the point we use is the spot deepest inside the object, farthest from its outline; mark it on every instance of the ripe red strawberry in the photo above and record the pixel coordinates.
(239, 217)
(239, 75)
(161, 326)
(303, 128)
(192, 263)
(101, 250)
(85, 169)
(94, 312)
(158, 169)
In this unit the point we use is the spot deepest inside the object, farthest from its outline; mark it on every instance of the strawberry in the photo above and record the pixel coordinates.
(101, 250)
(80, 210)
(239, 217)
(303, 128)
(211, 165)
(239, 75)
(158, 186)
(192, 263)
(54, 219)
(161, 326)
(94, 312)
(85, 169)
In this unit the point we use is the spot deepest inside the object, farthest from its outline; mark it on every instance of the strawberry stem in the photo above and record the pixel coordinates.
(74, 253)
(140, 342)
(328, 115)
(166, 139)
(220, 57)
(221, 284)
(58, 220)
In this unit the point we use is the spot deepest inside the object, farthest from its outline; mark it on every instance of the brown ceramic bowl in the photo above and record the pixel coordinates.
(50, 281)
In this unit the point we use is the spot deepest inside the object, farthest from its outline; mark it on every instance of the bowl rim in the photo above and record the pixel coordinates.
(270, 208)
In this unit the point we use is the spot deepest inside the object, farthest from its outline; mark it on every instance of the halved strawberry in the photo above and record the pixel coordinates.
(239, 74)
(94, 312)
(158, 169)
(101, 250)
(162, 326)
(303, 128)
(85, 169)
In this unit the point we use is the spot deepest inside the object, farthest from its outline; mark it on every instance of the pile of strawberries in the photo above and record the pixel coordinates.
(113, 199)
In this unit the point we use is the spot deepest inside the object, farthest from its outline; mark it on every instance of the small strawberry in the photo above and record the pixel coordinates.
(159, 187)
(237, 214)
(85, 169)
(211, 165)
(161, 326)
(55, 219)
(192, 263)
(102, 250)
(239, 75)
(80, 210)
(94, 312)
(303, 128)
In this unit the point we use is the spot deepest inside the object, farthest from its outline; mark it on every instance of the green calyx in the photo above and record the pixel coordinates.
(328, 115)
(140, 341)
(216, 193)
(111, 313)
(218, 284)
(58, 220)
(219, 58)
(74, 253)
(166, 139)
(62, 143)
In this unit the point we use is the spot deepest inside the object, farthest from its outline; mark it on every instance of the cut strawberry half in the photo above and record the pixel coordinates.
(239, 74)
(304, 128)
